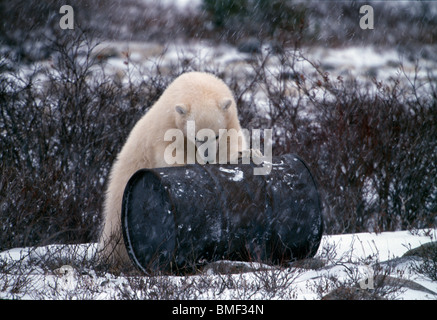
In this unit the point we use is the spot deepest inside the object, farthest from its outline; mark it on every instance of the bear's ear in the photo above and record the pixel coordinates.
(181, 109)
(225, 104)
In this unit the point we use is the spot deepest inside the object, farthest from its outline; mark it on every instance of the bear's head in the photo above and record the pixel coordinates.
(201, 123)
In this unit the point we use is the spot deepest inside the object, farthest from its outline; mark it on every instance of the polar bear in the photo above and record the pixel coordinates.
(194, 97)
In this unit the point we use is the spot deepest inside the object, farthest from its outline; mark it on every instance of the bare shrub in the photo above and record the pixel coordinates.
(371, 147)
(59, 137)
(428, 255)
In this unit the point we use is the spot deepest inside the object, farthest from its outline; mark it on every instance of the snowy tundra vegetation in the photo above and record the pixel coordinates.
(359, 106)
(351, 266)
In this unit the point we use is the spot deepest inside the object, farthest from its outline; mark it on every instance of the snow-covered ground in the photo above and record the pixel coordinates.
(369, 264)
(132, 62)
(362, 62)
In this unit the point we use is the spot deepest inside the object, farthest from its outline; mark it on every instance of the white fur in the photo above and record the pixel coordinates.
(192, 96)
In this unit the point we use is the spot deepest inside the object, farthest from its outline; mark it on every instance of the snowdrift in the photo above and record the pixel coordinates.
(350, 266)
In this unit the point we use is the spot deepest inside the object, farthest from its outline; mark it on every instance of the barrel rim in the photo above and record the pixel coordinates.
(137, 176)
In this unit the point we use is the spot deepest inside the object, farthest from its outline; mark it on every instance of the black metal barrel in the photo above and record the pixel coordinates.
(175, 218)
